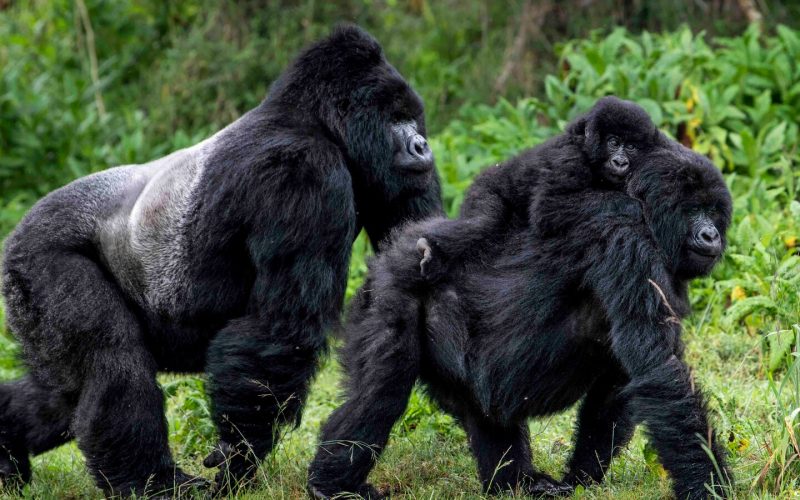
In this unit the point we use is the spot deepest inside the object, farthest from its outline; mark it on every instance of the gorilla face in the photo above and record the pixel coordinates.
(689, 207)
(412, 155)
(385, 136)
(706, 213)
(345, 86)
(620, 154)
(615, 136)
(703, 246)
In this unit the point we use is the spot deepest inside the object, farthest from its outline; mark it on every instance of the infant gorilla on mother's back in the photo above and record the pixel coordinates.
(583, 302)
(598, 150)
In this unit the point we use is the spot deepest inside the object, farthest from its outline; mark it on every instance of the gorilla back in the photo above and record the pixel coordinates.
(230, 256)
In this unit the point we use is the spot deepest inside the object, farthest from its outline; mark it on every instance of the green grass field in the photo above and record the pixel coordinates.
(428, 458)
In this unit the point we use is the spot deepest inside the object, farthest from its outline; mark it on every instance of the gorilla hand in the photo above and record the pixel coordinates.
(432, 263)
(236, 467)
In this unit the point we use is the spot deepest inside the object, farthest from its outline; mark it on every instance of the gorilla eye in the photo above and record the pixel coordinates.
(630, 148)
(613, 141)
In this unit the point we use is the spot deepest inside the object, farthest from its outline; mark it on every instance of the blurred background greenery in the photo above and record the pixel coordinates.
(87, 84)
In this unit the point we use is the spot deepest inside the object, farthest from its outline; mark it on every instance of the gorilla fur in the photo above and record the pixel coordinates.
(228, 257)
(598, 150)
(537, 323)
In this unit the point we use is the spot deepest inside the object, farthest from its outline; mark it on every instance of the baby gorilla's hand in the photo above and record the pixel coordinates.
(236, 468)
(431, 265)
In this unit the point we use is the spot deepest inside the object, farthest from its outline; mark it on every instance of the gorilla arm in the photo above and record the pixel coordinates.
(488, 208)
(260, 364)
(626, 272)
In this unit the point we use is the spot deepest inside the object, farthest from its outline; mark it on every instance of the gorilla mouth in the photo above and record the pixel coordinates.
(412, 166)
(416, 171)
(613, 176)
(704, 255)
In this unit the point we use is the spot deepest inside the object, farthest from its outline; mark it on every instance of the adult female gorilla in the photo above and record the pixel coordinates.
(552, 318)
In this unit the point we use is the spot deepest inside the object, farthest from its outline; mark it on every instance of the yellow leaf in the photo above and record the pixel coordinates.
(743, 444)
(693, 99)
(738, 293)
(790, 241)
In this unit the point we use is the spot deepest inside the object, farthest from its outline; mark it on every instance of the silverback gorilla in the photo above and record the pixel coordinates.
(228, 257)
(541, 322)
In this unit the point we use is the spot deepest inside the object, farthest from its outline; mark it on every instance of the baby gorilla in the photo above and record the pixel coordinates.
(597, 150)
(589, 314)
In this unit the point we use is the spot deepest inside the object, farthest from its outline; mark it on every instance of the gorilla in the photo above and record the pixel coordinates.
(593, 312)
(229, 257)
(597, 150)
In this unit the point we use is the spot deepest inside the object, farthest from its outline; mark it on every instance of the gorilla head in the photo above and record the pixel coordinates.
(689, 207)
(615, 136)
(368, 109)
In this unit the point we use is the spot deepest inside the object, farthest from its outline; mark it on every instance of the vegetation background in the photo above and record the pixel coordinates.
(87, 84)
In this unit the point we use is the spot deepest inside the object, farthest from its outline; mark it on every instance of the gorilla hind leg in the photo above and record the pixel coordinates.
(80, 334)
(605, 426)
(121, 427)
(504, 459)
(33, 419)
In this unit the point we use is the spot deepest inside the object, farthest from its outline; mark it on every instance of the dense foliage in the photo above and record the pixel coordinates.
(169, 73)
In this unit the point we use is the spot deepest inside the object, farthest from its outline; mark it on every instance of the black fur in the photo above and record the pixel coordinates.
(230, 257)
(534, 325)
(509, 194)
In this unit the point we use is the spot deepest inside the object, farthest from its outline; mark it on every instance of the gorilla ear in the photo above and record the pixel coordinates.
(577, 129)
(591, 133)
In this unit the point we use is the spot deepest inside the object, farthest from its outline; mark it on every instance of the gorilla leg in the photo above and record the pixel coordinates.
(504, 459)
(33, 419)
(259, 378)
(605, 426)
(81, 336)
(675, 418)
(382, 359)
(121, 428)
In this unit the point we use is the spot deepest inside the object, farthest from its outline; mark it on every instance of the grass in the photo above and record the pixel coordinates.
(427, 456)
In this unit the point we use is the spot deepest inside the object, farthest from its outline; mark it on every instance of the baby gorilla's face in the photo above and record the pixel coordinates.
(615, 136)
(620, 153)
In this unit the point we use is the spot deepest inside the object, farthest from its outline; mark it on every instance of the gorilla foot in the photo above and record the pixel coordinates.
(175, 484)
(15, 468)
(185, 484)
(578, 478)
(236, 468)
(544, 486)
(366, 491)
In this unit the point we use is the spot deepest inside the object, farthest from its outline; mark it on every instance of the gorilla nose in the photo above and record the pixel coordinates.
(418, 148)
(619, 164)
(707, 239)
